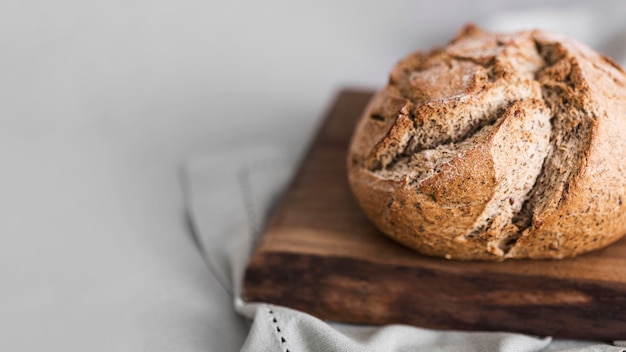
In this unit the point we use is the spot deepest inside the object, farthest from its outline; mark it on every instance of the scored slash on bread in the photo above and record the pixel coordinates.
(496, 146)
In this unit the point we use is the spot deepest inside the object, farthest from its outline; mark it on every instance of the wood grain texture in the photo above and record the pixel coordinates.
(319, 254)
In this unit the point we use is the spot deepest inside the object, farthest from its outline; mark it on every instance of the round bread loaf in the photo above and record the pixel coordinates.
(496, 146)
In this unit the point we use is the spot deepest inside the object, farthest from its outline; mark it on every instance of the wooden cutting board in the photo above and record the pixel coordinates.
(319, 254)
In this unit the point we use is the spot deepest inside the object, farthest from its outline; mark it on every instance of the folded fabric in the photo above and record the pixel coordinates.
(229, 196)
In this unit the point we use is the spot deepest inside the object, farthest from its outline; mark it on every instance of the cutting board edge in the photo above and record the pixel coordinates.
(286, 279)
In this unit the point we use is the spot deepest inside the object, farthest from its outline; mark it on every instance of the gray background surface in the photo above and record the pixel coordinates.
(101, 102)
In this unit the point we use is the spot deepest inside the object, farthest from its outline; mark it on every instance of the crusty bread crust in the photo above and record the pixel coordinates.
(496, 146)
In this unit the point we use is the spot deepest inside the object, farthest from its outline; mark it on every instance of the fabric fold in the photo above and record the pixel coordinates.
(229, 197)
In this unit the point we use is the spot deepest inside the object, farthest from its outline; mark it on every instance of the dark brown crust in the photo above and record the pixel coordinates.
(427, 105)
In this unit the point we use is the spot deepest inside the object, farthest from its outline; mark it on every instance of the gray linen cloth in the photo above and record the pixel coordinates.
(229, 195)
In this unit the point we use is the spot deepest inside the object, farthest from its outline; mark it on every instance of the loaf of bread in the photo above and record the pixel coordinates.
(496, 146)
